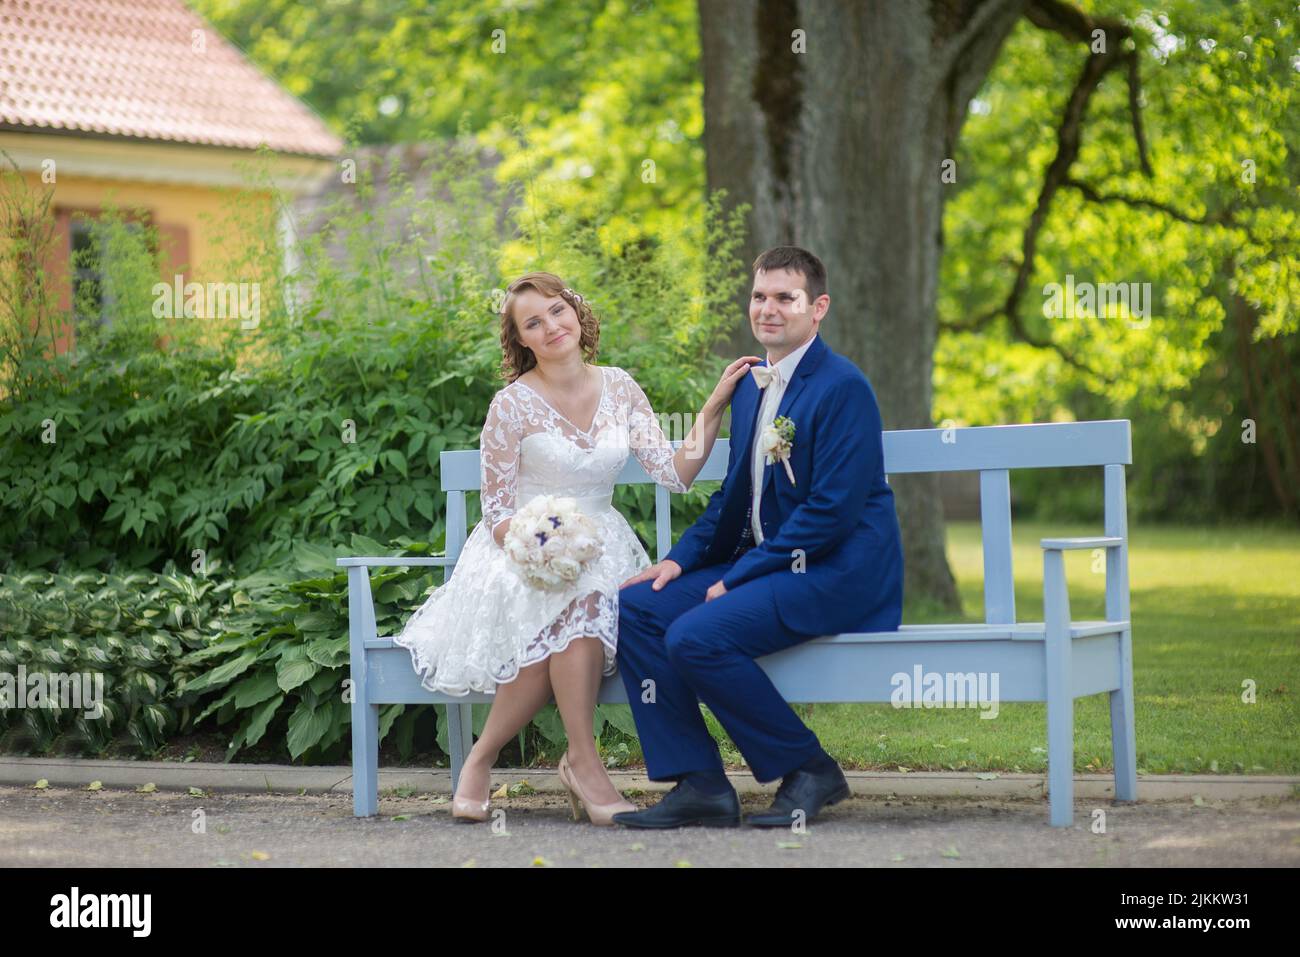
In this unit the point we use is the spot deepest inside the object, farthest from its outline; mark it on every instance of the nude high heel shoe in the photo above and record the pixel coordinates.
(470, 811)
(602, 815)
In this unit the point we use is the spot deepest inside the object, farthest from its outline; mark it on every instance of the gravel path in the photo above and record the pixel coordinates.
(115, 828)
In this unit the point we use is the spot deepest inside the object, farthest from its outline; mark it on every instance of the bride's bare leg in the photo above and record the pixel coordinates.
(575, 676)
(513, 706)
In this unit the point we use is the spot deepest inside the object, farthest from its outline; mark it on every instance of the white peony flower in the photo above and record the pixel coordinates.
(552, 542)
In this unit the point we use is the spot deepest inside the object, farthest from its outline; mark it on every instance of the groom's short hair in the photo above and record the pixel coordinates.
(795, 260)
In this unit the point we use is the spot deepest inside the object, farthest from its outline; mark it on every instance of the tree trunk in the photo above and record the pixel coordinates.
(840, 149)
(1269, 400)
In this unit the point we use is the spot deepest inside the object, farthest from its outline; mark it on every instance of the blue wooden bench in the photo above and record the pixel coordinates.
(1055, 660)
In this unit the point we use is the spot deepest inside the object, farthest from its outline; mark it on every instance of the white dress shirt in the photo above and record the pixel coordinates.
(766, 415)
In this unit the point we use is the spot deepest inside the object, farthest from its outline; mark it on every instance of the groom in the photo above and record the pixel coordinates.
(770, 564)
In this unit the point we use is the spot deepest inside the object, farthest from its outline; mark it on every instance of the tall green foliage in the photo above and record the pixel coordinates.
(1213, 229)
(597, 102)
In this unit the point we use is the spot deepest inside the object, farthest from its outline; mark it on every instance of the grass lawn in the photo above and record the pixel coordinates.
(1211, 607)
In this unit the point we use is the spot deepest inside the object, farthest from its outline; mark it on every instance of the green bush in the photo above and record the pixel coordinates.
(135, 630)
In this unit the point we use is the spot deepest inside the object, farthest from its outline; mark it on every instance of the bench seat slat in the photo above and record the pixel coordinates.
(1099, 541)
(839, 672)
(1021, 631)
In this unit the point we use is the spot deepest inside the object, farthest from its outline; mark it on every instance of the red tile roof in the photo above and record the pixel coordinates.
(127, 68)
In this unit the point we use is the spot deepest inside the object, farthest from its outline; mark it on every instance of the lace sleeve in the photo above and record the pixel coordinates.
(649, 444)
(499, 459)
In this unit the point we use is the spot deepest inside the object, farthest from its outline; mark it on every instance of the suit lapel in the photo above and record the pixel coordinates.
(807, 365)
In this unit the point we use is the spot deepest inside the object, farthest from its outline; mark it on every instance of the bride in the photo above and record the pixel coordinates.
(486, 629)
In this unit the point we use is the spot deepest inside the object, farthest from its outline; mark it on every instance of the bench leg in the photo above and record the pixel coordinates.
(1060, 759)
(460, 736)
(1060, 697)
(365, 715)
(1123, 743)
(365, 759)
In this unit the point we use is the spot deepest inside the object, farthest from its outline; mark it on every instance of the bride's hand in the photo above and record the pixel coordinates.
(722, 392)
(499, 533)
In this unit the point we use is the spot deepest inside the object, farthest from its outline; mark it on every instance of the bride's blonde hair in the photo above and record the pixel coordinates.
(516, 358)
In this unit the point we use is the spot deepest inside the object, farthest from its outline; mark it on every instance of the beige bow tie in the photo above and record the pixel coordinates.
(765, 375)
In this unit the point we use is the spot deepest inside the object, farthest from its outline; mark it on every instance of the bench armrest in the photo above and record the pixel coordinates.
(352, 562)
(361, 604)
(1056, 598)
(1067, 544)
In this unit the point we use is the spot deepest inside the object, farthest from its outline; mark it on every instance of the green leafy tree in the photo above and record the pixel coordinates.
(1178, 171)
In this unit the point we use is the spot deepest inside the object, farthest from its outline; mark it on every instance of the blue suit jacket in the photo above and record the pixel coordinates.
(840, 512)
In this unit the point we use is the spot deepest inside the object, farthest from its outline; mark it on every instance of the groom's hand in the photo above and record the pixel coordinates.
(716, 590)
(662, 572)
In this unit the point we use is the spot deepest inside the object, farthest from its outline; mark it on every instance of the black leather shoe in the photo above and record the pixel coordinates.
(802, 790)
(684, 806)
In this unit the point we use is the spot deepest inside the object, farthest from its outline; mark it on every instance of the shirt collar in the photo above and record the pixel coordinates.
(787, 365)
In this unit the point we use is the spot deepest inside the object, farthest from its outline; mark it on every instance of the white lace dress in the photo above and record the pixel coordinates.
(485, 623)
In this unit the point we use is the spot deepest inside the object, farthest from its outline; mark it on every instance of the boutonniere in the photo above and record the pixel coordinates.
(776, 443)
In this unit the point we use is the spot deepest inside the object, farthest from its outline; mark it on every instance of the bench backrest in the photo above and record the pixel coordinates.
(991, 450)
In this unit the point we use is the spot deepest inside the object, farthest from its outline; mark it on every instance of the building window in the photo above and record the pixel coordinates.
(92, 293)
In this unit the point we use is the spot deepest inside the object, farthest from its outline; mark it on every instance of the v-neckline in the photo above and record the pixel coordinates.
(604, 384)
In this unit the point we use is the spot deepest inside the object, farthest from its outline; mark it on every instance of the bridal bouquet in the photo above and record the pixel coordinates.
(552, 541)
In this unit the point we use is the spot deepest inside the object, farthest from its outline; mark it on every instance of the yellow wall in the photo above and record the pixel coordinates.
(203, 211)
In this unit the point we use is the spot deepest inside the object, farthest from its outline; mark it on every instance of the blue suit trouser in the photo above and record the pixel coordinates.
(675, 651)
